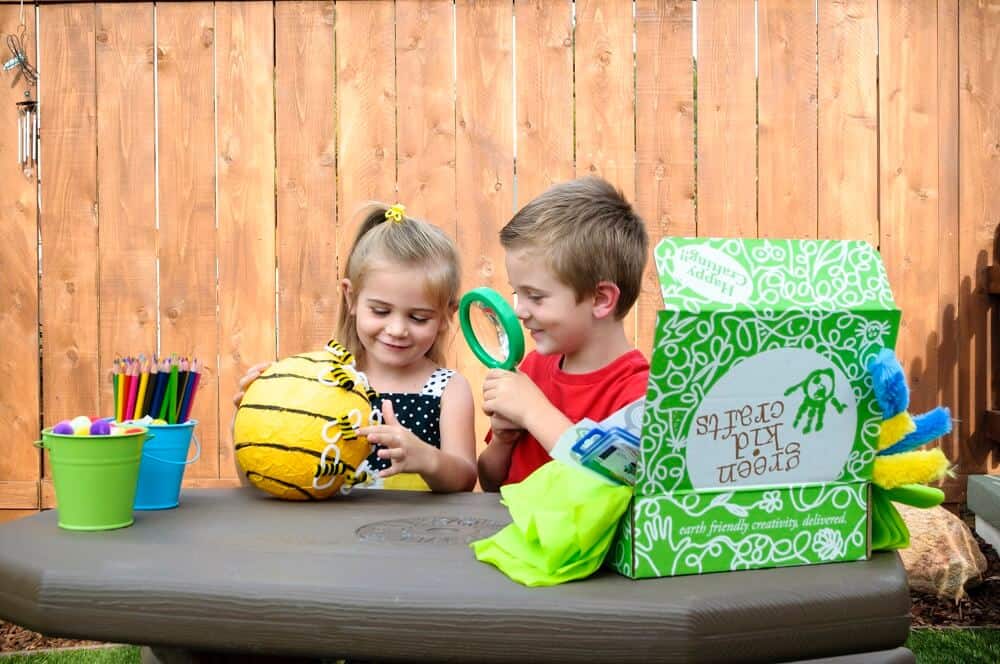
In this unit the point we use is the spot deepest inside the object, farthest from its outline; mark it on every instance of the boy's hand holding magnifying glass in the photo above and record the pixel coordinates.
(493, 332)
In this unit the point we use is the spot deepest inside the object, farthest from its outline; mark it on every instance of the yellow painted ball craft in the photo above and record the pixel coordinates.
(296, 430)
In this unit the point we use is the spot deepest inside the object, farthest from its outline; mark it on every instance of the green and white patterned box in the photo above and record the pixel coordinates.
(760, 425)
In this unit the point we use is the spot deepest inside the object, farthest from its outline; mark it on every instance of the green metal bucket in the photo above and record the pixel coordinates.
(95, 477)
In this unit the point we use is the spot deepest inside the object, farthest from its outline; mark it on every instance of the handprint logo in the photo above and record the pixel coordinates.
(817, 388)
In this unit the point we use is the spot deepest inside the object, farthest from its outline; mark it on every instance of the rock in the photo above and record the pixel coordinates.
(943, 557)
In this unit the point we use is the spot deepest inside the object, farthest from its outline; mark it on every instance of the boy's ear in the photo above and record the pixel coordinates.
(605, 296)
(347, 290)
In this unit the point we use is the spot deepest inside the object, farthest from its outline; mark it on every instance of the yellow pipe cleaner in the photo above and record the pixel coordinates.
(895, 429)
(916, 467)
(395, 213)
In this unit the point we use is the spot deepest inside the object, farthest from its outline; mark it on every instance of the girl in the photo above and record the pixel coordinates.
(398, 296)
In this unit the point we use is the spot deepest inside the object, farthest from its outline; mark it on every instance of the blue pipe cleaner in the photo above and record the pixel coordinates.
(930, 425)
(889, 383)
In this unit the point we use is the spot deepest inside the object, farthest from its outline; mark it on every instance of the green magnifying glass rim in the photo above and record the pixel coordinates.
(489, 298)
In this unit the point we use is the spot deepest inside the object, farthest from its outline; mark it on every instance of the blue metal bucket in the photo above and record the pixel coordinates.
(164, 458)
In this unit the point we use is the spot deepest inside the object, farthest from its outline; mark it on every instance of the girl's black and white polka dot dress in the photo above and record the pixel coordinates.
(419, 412)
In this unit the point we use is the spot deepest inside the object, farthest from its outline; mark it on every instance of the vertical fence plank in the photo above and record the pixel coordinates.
(307, 179)
(245, 116)
(664, 187)
(543, 79)
(848, 121)
(605, 80)
(125, 186)
(68, 162)
(787, 119)
(425, 102)
(908, 137)
(979, 200)
(544, 95)
(366, 99)
(187, 238)
(605, 99)
(485, 152)
(425, 95)
(944, 342)
(727, 137)
(19, 391)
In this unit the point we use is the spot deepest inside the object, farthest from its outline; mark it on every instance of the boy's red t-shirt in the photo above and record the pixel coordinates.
(594, 395)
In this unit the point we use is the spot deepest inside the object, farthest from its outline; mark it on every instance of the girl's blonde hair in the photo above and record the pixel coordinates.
(387, 235)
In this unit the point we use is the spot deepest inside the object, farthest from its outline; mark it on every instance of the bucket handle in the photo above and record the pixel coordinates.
(197, 454)
(40, 444)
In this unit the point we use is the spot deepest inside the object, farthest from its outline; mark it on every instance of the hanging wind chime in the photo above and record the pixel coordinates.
(27, 110)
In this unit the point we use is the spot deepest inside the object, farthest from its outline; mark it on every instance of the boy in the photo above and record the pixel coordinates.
(574, 256)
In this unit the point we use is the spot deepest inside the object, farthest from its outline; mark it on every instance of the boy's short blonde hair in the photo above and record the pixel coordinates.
(589, 233)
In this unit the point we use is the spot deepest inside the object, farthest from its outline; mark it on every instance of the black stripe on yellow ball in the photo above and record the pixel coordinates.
(322, 371)
(278, 427)
(315, 356)
(284, 472)
(297, 466)
(314, 379)
(278, 488)
(278, 446)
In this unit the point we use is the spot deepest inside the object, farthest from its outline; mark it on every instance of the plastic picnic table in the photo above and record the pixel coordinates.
(389, 576)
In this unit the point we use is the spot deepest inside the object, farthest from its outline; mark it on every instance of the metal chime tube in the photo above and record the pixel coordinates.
(27, 145)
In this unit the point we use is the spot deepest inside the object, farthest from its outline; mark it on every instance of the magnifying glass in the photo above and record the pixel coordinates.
(491, 328)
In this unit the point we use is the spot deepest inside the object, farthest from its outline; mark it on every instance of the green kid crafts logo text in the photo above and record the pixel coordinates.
(754, 431)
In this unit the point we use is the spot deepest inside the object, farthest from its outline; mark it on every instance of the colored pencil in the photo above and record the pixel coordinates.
(120, 399)
(168, 411)
(182, 379)
(185, 407)
(150, 386)
(189, 396)
(141, 395)
(161, 412)
(133, 389)
(161, 384)
(114, 382)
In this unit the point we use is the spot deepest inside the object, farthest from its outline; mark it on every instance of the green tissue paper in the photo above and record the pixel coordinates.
(564, 520)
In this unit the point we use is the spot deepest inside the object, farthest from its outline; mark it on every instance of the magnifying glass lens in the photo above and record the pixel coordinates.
(489, 331)
(491, 328)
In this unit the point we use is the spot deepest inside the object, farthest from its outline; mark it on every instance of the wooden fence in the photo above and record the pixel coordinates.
(200, 164)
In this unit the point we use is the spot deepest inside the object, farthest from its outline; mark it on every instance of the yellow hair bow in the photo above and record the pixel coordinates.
(395, 213)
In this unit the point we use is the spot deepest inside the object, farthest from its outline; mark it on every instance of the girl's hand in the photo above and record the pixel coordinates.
(252, 374)
(408, 453)
(505, 432)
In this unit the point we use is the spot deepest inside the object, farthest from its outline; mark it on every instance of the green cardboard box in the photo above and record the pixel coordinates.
(760, 425)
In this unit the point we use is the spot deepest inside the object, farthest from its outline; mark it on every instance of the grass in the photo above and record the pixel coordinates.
(931, 646)
(954, 646)
(111, 655)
